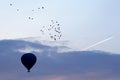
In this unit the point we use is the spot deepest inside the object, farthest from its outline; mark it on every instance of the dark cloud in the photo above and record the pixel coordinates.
(74, 64)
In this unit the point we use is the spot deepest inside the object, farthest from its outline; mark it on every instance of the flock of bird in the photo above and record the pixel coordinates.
(53, 30)
(30, 18)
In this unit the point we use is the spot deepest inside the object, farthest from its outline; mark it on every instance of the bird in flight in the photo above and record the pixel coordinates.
(10, 4)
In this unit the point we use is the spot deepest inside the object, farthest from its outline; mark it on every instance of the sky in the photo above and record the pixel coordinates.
(84, 23)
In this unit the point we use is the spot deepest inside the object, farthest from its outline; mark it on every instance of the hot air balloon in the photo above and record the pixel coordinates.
(28, 60)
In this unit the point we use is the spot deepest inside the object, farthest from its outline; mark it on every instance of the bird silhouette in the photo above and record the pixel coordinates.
(42, 7)
(17, 9)
(11, 4)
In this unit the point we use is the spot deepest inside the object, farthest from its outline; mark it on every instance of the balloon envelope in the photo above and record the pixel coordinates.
(28, 60)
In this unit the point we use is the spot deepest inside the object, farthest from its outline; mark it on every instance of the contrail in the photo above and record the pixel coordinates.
(100, 42)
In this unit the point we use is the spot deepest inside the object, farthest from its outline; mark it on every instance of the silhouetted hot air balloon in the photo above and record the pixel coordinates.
(28, 60)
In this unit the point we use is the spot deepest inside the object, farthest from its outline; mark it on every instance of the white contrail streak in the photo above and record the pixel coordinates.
(100, 42)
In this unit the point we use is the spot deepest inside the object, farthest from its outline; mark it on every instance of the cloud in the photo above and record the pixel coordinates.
(52, 65)
(28, 49)
(84, 76)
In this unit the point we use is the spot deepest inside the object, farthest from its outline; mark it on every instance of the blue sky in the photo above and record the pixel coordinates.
(83, 23)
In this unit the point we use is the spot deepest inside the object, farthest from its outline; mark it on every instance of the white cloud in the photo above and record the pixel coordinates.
(28, 49)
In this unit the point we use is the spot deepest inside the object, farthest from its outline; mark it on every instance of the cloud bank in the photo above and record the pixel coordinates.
(52, 65)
